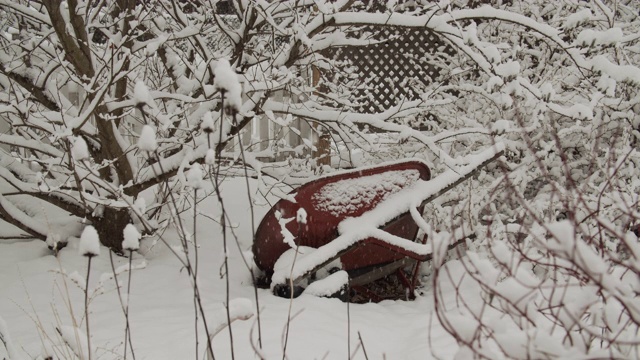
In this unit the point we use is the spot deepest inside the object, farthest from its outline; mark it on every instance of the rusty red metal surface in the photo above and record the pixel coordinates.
(329, 200)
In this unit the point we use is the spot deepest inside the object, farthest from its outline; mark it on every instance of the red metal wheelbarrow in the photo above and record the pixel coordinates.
(365, 218)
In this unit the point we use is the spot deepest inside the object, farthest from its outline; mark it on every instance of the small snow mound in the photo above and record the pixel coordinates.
(194, 177)
(207, 122)
(350, 195)
(131, 240)
(509, 69)
(147, 140)
(79, 150)
(210, 158)
(241, 308)
(226, 80)
(89, 242)
(141, 94)
(301, 216)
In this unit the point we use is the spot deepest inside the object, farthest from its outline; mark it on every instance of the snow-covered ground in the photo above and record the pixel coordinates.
(35, 299)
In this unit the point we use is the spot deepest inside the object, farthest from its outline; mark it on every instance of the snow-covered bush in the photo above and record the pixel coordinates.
(104, 101)
(554, 269)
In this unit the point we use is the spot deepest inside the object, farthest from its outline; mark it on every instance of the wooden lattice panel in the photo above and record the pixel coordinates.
(390, 71)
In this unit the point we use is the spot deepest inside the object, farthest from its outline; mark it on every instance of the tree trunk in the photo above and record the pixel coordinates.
(110, 227)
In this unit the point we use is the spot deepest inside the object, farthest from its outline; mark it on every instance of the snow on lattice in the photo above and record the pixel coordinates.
(347, 196)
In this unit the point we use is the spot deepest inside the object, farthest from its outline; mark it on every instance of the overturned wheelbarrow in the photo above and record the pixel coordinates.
(357, 226)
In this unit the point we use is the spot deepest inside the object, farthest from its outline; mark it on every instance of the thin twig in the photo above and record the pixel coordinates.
(364, 350)
(253, 233)
(86, 308)
(127, 330)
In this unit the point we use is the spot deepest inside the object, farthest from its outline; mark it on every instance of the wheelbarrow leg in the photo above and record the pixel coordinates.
(416, 270)
(408, 285)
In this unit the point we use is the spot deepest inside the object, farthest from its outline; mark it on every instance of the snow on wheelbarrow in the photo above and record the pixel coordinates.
(352, 228)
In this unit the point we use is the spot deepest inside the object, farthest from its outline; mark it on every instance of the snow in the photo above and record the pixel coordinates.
(210, 158)
(226, 80)
(619, 73)
(77, 341)
(147, 141)
(353, 230)
(153, 45)
(195, 176)
(239, 309)
(5, 339)
(570, 66)
(574, 19)
(131, 240)
(140, 204)
(289, 257)
(89, 242)
(347, 196)
(592, 37)
(207, 123)
(287, 236)
(576, 111)
(79, 149)
(500, 126)
(141, 94)
(328, 286)
(509, 69)
(301, 216)
(161, 304)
